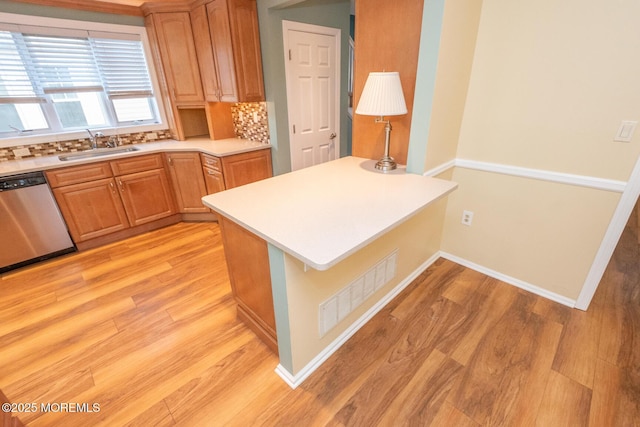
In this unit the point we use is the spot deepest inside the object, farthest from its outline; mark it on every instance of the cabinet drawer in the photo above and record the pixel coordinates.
(213, 180)
(78, 174)
(137, 164)
(211, 162)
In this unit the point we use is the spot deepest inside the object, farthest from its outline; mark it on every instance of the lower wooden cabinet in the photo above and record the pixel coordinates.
(91, 209)
(249, 273)
(245, 168)
(188, 182)
(103, 200)
(136, 192)
(223, 173)
(146, 196)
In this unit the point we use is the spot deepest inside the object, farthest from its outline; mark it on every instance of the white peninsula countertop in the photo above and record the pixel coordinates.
(322, 214)
(219, 148)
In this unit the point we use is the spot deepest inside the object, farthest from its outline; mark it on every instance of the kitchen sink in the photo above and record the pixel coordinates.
(98, 152)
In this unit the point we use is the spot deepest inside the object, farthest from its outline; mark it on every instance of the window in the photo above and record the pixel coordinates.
(55, 80)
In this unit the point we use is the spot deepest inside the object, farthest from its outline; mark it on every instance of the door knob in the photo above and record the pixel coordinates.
(333, 135)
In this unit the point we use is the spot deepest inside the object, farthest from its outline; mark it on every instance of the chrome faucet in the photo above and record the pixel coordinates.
(95, 139)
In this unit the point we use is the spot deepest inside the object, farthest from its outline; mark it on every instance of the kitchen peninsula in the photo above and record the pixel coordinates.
(330, 244)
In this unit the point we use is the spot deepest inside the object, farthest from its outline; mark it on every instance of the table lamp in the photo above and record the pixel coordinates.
(382, 96)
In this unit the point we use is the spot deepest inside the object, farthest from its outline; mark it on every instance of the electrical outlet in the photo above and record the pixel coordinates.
(467, 217)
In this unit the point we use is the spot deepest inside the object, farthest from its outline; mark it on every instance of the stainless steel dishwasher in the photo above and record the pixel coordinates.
(31, 226)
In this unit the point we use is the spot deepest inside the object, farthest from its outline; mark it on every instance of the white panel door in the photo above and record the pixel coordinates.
(312, 56)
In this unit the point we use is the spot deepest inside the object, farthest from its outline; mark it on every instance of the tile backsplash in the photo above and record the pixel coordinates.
(250, 121)
(53, 148)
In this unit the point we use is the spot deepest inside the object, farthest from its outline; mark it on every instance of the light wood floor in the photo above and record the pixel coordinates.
(146, 328)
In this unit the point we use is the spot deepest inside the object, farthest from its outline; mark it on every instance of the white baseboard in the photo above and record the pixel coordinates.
(510, 280)
(295, 380)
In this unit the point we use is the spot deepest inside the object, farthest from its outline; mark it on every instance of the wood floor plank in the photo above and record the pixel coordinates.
(157, 416)
(616, 397)
(448, 415)
(420, 400)
(478, 389)
(403, 360)
(581, 335)
(523, 385)
(487, 315)
(565, 403)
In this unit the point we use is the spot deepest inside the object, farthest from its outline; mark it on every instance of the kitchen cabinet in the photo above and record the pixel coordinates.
(178, 57)
(91, 209)
(103, 198)
(250, 281)
(213, 178)
(235, 42)
(235, 170)
(209, 52)
(188, 182)
(227, 41)
(146, 196)
(244, 168)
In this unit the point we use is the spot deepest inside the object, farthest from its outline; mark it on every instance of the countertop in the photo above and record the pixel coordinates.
(322, 214)
(219, 148)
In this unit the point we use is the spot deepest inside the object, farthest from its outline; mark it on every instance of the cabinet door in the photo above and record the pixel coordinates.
(202, 39)
(241, 169)
(213, 180)
(187, 181)
(91, 209)
(146, 196)
(222, 45)
(178, 56)
(243, 19)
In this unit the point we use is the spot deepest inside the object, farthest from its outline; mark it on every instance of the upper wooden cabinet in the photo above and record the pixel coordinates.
(228, 45)
(211, 53)
(245, 39)
(173, 33)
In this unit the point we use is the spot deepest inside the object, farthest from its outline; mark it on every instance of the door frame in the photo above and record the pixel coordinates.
(326, 31)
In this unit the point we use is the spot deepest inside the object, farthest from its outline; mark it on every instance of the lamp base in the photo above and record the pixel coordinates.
(386, 164)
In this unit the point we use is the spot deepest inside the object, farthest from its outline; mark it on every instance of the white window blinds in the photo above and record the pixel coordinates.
(35, 64)
(15, 82)
(122, 65)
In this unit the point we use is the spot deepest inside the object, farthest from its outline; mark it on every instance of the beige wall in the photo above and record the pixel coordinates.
(543, 233)
(550, 82)
(457, 45)
(306, 290)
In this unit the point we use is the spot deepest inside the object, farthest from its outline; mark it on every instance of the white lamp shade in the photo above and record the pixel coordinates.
(382, 95)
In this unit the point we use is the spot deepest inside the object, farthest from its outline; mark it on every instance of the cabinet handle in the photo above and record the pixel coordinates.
(211, 172)
(170, 161)
(113, 187)
(121, 186)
